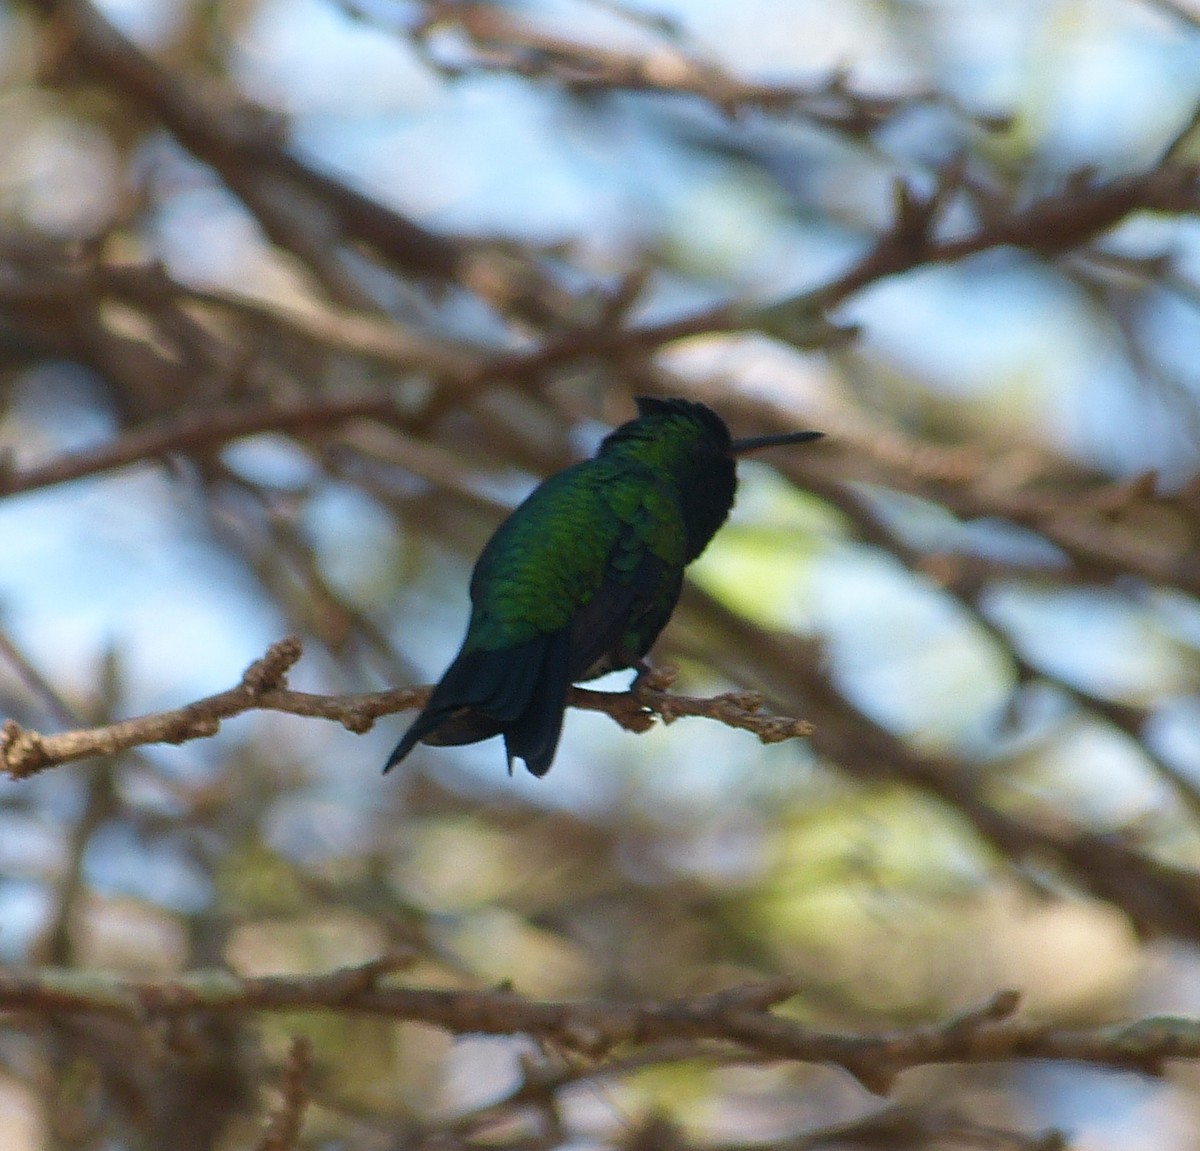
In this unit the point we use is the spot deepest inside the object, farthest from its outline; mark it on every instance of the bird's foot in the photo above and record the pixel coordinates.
(651, 678)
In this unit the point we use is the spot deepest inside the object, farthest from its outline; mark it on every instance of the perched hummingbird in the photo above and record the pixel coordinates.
(582, 576)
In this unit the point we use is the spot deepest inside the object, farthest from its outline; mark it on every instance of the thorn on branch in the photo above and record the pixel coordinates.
(270, 672)
(1000, 1006)
(21, 751)
(350, 982)
(756, 996)
(283, 1131)
(263, 686)
(916, 213)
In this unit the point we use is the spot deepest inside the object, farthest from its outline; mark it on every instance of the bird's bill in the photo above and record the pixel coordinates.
(753, 443)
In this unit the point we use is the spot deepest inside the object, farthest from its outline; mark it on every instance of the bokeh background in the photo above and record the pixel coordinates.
(503, 221)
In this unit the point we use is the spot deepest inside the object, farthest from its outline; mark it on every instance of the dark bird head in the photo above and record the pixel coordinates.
(687, 443)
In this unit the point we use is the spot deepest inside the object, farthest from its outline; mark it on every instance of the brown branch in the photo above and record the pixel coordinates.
(1050, 226)
(1083, 513)
(69, 893)
(387, 341)
(635, 709)
(263, 687)
(246, 151)
(196, 431)
(26, 752)
(285, 564)
(34, 682)
(1094, 544)
(283, 1131)
(543, 1079)
(505, 43)
(314, 216)
(741, 1016)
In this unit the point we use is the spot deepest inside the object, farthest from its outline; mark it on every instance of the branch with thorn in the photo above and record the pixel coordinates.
(264, 687)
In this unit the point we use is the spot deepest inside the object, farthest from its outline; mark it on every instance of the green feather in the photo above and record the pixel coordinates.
(593, 522)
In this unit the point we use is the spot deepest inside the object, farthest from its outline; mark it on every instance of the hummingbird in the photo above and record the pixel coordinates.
(582, 576)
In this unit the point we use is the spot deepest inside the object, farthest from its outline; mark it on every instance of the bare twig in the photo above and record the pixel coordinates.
(313, 321)
(27, 752)
(741, 1016)
(958, 580)
(283, 1131)
(35, 682)
(196, 431)
(263, 687)
(507, 43)
(1050, 227)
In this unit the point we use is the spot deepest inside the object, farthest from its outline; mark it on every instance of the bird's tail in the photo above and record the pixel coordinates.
(518, 691)
(533, 735)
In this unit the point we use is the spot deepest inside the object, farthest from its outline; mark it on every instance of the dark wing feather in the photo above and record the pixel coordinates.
(617, 626)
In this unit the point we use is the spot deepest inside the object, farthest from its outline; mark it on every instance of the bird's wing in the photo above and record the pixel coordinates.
(592, 539)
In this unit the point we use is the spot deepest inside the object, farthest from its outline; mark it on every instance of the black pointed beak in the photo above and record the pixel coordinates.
(753, 443)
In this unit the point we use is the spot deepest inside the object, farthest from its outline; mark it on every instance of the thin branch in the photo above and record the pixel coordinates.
(246, 147)
(1183, 12)
(387, 341)
(742, 1016)
(263, 687)
(1081, 514)
(287, 566)
(635, 709)
(502, 42)
(26, 752)
(1158, 897)
(303, 210)
(283, 1132)
(70, 892)
(36, 683)
(1049, 227)
(197, 431)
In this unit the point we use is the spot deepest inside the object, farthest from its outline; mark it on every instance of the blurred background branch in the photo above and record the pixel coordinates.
(739, 1016)
(298, 299)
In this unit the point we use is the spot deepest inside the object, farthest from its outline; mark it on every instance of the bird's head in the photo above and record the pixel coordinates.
(687, 444)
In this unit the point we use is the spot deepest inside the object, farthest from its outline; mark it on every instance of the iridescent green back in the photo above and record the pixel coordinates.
(597, 527)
